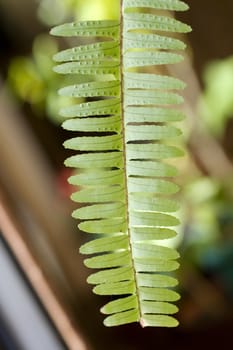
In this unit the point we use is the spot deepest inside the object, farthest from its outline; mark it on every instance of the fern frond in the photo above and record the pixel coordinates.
(124, 133)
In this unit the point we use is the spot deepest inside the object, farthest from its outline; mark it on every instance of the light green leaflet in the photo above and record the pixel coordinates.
(126, 129)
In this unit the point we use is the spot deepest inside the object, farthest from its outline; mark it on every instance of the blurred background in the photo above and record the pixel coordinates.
(38, 237)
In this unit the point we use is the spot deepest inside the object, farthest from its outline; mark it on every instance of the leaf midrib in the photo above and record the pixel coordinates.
(125, 159)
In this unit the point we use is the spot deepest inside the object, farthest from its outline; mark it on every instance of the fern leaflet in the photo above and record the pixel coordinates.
(124, 130)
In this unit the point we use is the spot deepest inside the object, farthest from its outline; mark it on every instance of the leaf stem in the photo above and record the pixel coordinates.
(125, 155)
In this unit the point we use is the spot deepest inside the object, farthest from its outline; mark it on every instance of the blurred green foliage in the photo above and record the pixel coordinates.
(216, 104)
(33, 81)
(32, 78)
(64, 10)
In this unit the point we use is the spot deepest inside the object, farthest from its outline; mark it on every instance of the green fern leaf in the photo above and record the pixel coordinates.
(89, 52)
(144, 21)
(94, 89)
(175, 5)
(91, 28)
(125, 135)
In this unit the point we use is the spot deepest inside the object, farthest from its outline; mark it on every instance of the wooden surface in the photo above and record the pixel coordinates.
(29, 193)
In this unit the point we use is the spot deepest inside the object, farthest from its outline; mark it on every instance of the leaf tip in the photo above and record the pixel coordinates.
(142, 323)
(56, 57)
(51, 32)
